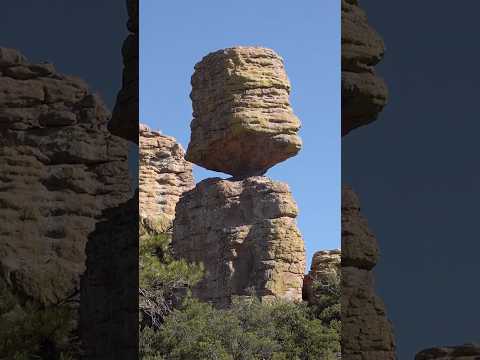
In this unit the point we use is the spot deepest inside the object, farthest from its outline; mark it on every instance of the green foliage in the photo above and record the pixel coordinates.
(31, 331)
(326, 302)
(248, 330)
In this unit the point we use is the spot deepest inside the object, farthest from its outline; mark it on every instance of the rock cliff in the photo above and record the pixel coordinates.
(242, 120)
(164, 176)
(325, 266)
(60, 168)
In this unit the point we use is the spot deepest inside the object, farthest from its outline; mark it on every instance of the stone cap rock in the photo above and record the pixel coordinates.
(243, 123)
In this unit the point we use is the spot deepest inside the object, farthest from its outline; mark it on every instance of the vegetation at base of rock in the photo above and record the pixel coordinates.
(175, 326)
(31, 331)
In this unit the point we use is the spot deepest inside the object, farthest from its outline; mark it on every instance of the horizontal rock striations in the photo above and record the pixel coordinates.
(242, 120)
(463, 352)
(366, 331)
(164, 176)
(60, 169)
(245, 233)
(364, 94)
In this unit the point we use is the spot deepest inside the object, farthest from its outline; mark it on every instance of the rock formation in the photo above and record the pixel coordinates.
(463, 352)
(366, 332)
(242, 120)
(60, 168)
(164, 176)
(364, 94)
(325, 266)
(244, 231)
(124, 122)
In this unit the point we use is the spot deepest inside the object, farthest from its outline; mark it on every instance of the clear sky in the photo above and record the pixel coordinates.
(177, 34)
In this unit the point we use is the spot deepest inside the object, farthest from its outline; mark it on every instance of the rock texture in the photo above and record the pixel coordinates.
(164, 176)
(463, 352)
(245, 233)
(124, 122)
(325, 265)
(60, 169)
(367, 334)
(364, 94)
(242, 120)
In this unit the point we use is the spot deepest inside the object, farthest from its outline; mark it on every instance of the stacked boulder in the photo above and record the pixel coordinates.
(242, 229)
(366, 331)
(164, 175)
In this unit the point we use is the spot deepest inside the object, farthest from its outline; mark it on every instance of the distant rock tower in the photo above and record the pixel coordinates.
(243, 229)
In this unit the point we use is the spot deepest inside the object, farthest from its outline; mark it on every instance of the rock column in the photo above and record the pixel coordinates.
(243, 229)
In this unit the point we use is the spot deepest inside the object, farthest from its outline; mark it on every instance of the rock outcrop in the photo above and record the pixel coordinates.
(366, 331)
(164, 176)
(364, 94)
(325, 266)
(124, 122)
(242, 120)
(60, 168)
(463, 352)
(245, 233)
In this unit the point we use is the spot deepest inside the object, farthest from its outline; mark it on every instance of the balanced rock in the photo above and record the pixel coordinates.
(164, 175)
(366, 331)
(243, 123)
(60, 168)
(325, 266)
(364, 94)
(463, 352)
(245, 234)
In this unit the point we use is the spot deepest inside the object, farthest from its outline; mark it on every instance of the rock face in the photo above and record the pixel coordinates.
(364, 94)
(245, 233)
(366, 331)
(325, 265)
(463, 352)
(164, 175)
(60, 169)
(124, 122)
(242, 120)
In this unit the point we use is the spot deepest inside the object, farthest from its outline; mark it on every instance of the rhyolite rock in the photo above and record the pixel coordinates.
(367, 334)
(164, 175)
(462, 352)
(60, 168)
(245, 234)
(124, 122)
(364, 93)
(324, 268)
(243, 123)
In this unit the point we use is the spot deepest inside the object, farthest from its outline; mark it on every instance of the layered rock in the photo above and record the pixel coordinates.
(245, 233)
(60, 168)
(164, 176)
(364, 94)
(367, 333)
(324, 268)
(124, 122)
(243, 123)
(463, 352)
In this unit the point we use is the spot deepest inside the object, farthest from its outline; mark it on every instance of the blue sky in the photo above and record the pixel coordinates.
(175, 35)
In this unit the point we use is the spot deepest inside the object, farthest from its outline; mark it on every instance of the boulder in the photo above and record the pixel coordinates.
(243, 123)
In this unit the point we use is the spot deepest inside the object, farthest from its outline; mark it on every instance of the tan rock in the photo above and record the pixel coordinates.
(60, 169)
(364, 94)
(164, 175)
(242, 120)
(367, 333)
(245, 233)
(463, 352)
(325, 265)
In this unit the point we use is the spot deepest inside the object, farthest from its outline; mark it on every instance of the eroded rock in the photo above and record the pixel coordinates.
(243, 123)
(324, 268)
(164, 176)
(60, 169)
(364, 94)
(245, 233)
